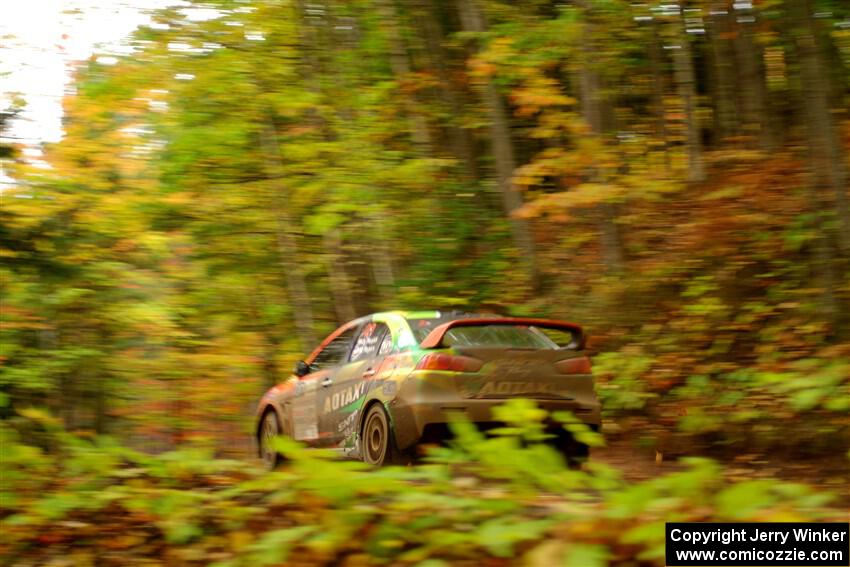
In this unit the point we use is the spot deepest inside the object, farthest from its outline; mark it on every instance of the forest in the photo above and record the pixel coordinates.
(671, 175)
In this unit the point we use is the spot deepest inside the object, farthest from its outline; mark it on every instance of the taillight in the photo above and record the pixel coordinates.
(579, 365)
(449, 363)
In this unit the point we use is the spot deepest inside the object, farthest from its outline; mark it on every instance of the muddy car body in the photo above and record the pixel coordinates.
(382, 384)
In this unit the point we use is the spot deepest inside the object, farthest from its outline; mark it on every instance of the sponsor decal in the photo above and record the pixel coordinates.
(508, 388)
(521, 370)
(346, 424)
(343, 397)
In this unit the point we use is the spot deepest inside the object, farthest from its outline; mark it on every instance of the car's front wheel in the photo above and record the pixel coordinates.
(269, 429)
(376, 441)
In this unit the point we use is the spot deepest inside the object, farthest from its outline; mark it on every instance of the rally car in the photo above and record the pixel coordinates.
(382, 384)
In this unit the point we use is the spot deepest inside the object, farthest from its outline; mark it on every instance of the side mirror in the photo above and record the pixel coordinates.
(302, 368)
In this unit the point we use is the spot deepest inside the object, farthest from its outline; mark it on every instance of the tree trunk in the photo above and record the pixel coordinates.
(296, 283)
(723, 72)
(271, 371)
(598, 114)
(99, 380)
(753, 89)
(380, 257)
(400, 65)
(686, 83)
(503, 152)
(343, 298)
(460, 140)
(271, 339)
(826, 157)
(655, 61)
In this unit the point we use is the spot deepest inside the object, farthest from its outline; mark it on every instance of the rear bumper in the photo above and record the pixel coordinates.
(417, 406)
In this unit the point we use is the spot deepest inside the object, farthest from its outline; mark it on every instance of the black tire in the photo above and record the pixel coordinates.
(268, 429)
(377, 443)
(574, 452)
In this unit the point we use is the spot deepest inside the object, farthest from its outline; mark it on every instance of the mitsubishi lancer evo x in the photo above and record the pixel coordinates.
(382, 384)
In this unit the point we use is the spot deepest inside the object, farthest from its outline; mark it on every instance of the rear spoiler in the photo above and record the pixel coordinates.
(435, 337)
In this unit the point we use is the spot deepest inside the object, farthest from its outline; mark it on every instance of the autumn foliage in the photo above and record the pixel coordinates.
(503, 500)
(673, 176)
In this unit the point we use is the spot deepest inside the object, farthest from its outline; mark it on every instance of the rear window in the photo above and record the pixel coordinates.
(421, 327)
(508, 336)
(495, 334)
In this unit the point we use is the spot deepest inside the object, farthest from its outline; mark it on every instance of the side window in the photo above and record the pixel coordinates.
(336, 351)
(371, 337)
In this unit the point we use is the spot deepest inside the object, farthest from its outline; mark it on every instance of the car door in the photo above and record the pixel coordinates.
(340, 401)
(324, 364)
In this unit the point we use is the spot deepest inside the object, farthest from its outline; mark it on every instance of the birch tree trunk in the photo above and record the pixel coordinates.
(686, 83)
(655, 61)
(753, 89)
(722, 60)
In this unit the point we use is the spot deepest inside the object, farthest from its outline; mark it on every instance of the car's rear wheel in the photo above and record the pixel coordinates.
(574, 452)
(269, 429)
(376, 441)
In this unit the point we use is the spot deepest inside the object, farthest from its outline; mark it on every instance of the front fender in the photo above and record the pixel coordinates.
(278, 400)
